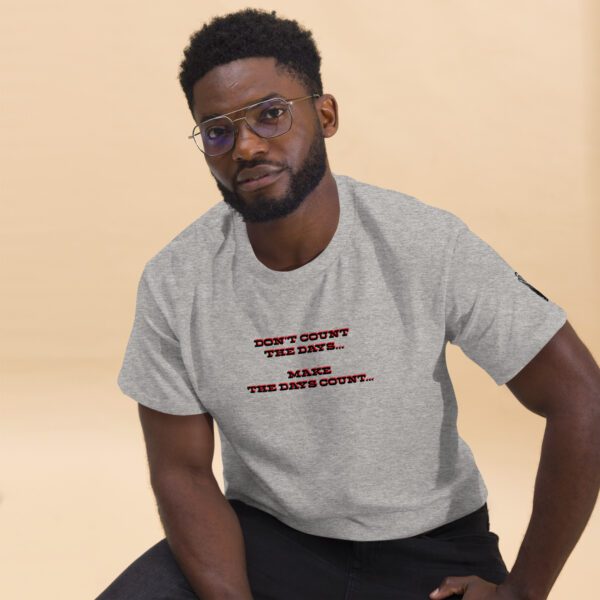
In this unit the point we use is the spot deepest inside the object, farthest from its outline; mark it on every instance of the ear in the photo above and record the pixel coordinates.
(327, 111)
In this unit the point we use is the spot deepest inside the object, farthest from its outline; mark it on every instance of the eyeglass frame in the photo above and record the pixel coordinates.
(243, 118)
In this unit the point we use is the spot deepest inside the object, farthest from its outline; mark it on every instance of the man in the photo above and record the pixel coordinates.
(308, 314)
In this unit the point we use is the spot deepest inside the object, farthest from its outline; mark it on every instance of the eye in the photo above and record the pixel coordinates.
(213, 133)
(272, 113)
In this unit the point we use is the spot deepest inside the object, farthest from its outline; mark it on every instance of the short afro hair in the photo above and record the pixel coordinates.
(251, 33)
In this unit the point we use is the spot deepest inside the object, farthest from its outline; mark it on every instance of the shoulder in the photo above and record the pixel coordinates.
(194, 245)
(403, 217)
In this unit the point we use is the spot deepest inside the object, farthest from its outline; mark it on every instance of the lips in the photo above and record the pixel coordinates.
(261, 182)
(256, 172)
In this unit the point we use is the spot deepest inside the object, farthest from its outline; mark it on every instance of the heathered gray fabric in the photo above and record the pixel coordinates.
(353, 432)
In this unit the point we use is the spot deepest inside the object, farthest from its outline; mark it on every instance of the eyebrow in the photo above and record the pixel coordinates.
(267, 97)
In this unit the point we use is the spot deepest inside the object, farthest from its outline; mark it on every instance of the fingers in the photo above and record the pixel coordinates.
(450, 586)
(480, 588)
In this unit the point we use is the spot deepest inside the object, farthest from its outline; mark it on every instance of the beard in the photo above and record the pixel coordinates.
(262, 207)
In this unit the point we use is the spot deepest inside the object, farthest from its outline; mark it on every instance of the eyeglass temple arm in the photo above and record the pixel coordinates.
(304, 98)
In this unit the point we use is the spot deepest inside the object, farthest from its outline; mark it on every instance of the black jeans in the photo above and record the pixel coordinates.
(286, 564)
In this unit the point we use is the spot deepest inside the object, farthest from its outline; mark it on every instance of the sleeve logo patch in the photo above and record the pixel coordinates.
(530, 286)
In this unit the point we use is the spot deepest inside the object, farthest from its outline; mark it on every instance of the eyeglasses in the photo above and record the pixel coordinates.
(268, 119)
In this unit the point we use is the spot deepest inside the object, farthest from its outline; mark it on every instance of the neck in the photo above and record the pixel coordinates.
(292, 241)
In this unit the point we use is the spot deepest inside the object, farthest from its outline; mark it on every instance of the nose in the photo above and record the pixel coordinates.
(247, 143)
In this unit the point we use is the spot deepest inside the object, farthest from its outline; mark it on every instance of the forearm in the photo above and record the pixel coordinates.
(204, 534)
(566, 489)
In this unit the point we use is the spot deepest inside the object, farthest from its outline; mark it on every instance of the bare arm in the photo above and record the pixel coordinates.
(561, 384)
(202, 529)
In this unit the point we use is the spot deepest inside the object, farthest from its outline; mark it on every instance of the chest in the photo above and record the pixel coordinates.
(328, 346)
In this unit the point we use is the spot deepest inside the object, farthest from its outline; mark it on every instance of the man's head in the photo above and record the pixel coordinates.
(236, 60)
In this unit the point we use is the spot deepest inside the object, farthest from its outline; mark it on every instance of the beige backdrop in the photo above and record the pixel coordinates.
(486, 109)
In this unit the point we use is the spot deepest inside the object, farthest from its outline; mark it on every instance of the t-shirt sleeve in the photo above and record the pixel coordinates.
(153, 371)
(498, 319)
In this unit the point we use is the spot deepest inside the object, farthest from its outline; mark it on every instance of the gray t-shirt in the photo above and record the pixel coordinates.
(329, 383)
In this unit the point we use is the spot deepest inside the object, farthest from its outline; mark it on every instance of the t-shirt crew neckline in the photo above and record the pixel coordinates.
(251, 264)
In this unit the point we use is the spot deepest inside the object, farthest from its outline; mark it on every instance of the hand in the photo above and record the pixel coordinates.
(473, 588)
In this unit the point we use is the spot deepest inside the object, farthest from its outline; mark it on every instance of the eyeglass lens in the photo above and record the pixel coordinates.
(267, 119)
